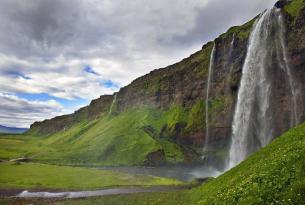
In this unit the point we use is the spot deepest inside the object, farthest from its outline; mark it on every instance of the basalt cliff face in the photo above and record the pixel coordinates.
(177, 94)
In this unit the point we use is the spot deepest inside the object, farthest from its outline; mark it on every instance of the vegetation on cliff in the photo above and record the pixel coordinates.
(294, 7)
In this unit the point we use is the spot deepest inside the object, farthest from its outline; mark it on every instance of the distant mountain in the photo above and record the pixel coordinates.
(12, 130)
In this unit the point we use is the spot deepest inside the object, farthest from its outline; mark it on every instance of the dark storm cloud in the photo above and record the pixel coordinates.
(109, 28)
(39, 28)
(218, 15)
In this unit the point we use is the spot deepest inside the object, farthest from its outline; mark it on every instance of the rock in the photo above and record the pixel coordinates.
(22, 159)
(155, 158)
(201, 180)
(281, 3)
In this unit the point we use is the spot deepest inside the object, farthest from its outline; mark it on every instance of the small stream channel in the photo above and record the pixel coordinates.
(103, 192)
(184, 173)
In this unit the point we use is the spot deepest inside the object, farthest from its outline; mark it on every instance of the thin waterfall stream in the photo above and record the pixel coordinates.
(294, 115)
(112, 104)
(228, 60)
(207, 118)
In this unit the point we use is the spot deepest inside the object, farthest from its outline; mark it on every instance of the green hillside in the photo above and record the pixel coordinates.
(125, 139)
(273, 175)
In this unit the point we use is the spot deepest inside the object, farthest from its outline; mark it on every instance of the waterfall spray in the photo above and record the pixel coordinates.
(207, 120)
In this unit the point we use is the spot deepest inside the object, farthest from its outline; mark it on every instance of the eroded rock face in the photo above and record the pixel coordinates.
(184, 84)
(296, 46)
(281, 3)
(155, 158)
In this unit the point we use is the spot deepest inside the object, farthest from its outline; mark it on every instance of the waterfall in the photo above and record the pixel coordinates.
(112, 104)
(251, 127)
(294, 115)
(232, 44)
(253, 118)
(207, 120)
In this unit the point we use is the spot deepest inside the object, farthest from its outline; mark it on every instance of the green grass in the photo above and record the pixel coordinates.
(119, 139)
(41, 176)
(242, 32)
(19, 146)
(273, 175)
(294, 7)
(112, 140)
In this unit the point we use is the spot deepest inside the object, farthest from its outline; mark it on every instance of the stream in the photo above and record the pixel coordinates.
(184, 173)
(103, 192)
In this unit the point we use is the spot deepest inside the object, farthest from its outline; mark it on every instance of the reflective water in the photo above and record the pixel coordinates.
(181, 172)
(82, 194)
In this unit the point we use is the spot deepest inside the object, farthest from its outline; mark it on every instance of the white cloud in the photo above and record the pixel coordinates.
(61, 78)
(15, 111)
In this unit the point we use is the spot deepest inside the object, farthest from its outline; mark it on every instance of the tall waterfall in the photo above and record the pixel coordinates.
(207, 118)
(112, 104)
(251, 124)
(253, 119)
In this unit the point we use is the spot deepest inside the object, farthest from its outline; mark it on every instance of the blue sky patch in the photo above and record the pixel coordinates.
(68, 104)
(90, 70)
(109, 84)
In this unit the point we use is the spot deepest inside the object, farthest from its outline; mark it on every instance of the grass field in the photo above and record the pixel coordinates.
(40, 176)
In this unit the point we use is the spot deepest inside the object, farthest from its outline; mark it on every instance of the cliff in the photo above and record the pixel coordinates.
(164, 111)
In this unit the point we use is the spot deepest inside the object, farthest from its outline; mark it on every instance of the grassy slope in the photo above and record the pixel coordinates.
(116, 138)
(121, 139)
(273, 175)
(40, 176)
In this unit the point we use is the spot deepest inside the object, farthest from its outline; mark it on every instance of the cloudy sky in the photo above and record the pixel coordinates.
(57, 55)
